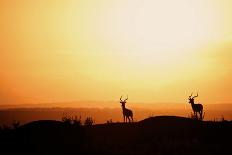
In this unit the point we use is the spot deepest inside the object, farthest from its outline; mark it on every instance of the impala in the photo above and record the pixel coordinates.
(197, 108)
(127, 113)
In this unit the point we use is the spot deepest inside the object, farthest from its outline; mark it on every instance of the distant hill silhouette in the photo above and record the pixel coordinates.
(154, 135)
(101, 115)
(43, 124)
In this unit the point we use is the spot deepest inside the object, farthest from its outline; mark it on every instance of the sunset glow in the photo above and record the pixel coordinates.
(86, 50)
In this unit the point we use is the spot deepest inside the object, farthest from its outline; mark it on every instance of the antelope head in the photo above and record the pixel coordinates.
(191, 98)
(123, 102)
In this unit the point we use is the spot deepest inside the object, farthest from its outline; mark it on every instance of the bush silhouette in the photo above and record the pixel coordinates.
(68, 119)
(16, 124)
(89, 121)
(77, 121)
(109, 121)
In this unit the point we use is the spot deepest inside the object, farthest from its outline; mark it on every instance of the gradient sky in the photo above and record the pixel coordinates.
(81, 50)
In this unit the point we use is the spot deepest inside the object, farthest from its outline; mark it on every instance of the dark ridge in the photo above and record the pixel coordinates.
(42, 123)
(167, 120)
(159, 135)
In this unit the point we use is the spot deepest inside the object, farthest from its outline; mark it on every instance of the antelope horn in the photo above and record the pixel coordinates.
(126, 98)
(195, 96)
(191, 95)
(121, 98)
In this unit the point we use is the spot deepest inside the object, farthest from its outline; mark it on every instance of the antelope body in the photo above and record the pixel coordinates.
(127, 113)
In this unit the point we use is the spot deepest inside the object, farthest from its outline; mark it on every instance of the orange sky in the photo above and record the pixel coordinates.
(152, 50)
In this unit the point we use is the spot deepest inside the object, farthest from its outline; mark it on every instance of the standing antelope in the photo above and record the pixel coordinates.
(127, 113)
(197, 108)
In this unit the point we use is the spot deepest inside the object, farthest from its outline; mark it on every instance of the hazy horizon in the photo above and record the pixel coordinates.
(107, 104)
(102, 115)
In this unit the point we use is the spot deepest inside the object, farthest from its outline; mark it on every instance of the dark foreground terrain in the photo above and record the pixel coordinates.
(155, 135)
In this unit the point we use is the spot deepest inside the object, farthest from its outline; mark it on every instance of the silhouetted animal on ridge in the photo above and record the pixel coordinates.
(127, 113)
(197, 108)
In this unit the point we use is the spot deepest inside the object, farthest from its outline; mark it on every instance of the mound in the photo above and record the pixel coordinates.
(170, 120)
(42, 124)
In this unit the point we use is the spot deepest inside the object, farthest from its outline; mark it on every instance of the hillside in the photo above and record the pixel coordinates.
(154, 135)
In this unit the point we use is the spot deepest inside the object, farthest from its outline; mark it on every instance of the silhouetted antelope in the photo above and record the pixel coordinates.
(197, 108)
(127, 113)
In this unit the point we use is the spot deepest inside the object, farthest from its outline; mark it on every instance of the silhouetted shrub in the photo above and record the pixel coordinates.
(67, 119)
(222, 119)
(109, 121)
(89, 121)
(77, 121)
(16, 124)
